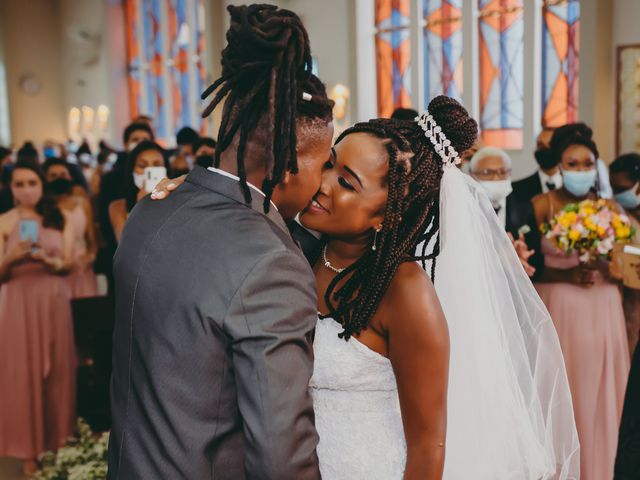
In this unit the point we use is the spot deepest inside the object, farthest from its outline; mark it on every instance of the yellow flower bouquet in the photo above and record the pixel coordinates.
(590, 228)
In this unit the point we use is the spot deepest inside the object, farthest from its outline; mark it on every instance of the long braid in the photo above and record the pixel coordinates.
(411, 217)
(266, 68)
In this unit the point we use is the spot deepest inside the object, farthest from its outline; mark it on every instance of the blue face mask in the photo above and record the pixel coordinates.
(629, 199)
(579, 183)
(51, 152)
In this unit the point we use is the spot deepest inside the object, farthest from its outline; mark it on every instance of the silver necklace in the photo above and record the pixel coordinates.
(327, 263)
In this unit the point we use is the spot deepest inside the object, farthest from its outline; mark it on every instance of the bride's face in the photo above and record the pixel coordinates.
(351, 200)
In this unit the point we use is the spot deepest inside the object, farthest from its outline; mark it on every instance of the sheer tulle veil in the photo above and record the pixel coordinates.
(510, 413)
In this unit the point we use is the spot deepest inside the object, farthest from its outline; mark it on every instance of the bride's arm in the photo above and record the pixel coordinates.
(419, 351)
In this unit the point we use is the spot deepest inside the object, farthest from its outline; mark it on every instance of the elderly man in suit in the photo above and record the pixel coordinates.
(491, 167)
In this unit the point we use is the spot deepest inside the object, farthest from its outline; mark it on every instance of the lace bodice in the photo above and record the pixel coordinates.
(357, 409)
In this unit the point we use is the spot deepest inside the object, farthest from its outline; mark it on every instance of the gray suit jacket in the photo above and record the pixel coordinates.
(212, 354)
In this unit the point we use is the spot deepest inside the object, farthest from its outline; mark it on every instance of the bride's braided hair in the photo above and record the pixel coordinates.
(266, 68)
(411, 216)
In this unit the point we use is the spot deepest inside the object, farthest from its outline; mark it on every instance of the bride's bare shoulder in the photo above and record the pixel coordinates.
(412, 298)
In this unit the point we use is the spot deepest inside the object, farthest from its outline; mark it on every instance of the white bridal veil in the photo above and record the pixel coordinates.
(510, 414)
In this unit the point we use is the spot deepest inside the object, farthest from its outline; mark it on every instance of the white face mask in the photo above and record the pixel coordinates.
(579, 183)
(131, 146)
(497, 191)
(138, 179)
(629, 199)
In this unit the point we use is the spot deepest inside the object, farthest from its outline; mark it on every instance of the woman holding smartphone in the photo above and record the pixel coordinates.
(37, 355)
(143, 166)
(77, 208)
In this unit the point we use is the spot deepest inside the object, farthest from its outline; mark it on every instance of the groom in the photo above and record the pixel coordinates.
(215, 303)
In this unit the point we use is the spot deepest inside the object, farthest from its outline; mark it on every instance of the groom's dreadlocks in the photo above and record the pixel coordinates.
(266, 69)
(411, 218)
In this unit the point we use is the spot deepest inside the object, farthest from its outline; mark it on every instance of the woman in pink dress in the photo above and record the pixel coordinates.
(77, 209)
(586, 308)
(37, 355)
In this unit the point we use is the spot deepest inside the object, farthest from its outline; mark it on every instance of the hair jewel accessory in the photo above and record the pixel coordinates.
(306, 96)
(441, 143)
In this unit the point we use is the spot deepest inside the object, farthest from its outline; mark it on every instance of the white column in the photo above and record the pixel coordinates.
(417, 55)
(470, 54)
(169, 125)
(194, 94)
(365, 96)
(524, 162)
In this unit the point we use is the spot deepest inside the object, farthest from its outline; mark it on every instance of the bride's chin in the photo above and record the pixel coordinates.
(307, 221)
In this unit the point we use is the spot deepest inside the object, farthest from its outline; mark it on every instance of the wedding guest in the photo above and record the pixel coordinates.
(625, 181)
(85, 161)
(467, 154)
(628, 457)
(37, 356)
(586, 308)
(112, 188)
(146, 154)
(146, 119)
(78, 212)
(204, 151)
(183, 160)
(404, 114)
(6, 159)
(547, 177)
(491, 167)
(28, 153)
(6, 165)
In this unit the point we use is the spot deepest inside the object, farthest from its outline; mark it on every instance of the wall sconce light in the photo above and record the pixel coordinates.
(87, 119)
(74, 123)
(340, 95)
(103, 118)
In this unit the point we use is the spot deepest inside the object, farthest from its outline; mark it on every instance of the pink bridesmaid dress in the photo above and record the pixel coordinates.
(81, 279)
(37, 355)
(591, 326)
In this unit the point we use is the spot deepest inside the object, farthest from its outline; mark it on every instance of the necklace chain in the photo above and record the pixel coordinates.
(327, 263)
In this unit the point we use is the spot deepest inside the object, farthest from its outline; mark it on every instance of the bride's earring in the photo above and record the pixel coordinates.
(375, 239)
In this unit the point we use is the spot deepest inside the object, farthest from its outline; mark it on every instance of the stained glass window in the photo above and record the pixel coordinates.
(560, 43)
(165, 48)
(442, 49)
(501, 43)
(393, 55)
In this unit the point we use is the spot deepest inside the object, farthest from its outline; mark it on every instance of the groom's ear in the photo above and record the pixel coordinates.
(287, 178)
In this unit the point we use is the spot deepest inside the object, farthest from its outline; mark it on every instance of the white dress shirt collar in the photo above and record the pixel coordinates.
(556, 179)
(237, 179)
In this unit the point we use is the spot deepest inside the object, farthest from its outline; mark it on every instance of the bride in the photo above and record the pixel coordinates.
(435, 358)
(487, 385)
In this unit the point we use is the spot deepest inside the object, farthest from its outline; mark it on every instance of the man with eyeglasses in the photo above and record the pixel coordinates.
(491, 167)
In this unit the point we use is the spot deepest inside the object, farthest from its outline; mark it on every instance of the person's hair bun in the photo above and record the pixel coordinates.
(456, 124)
(262, 37)
(572, 134)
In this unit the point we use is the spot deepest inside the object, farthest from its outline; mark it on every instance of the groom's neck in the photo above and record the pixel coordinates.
(253, 163)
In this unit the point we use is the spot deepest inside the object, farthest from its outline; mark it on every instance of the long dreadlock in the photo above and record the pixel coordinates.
(266, 72)
(411, 218)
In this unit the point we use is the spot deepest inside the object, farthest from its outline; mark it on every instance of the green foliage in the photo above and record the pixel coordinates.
(83, 457)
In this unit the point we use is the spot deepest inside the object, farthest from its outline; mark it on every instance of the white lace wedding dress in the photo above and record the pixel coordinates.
(355, 398)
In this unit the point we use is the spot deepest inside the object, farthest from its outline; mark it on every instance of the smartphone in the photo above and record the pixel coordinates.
(29, 231)
(152, 176)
